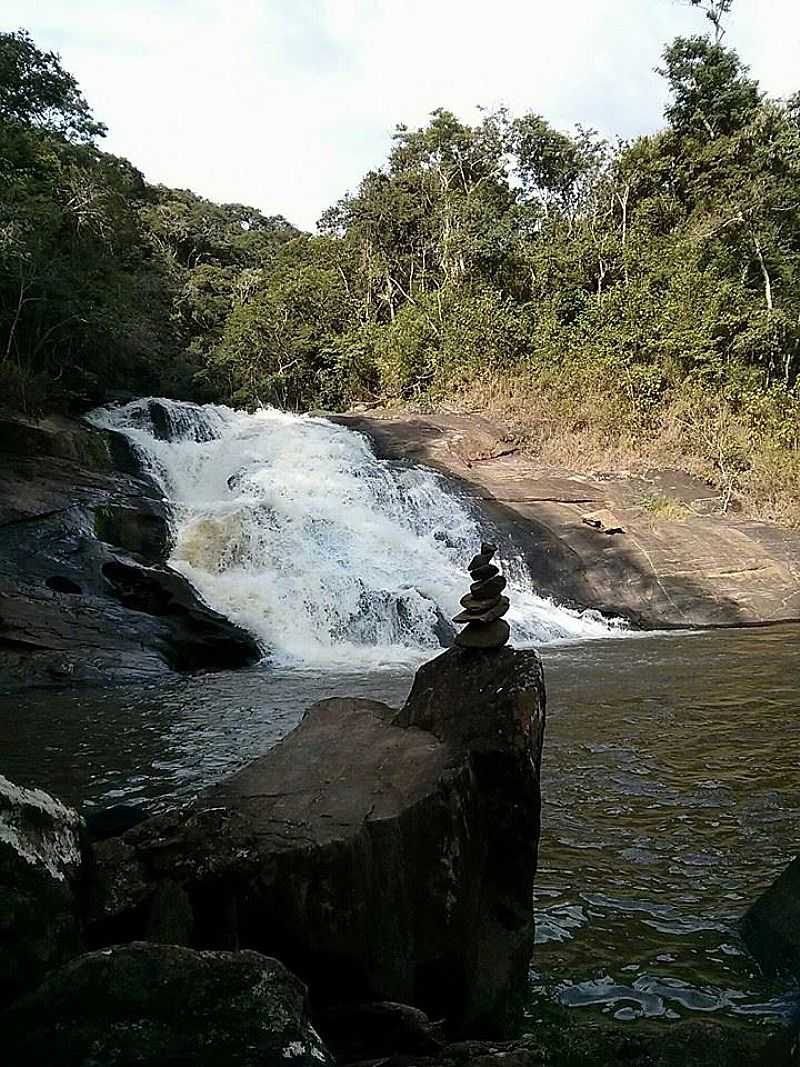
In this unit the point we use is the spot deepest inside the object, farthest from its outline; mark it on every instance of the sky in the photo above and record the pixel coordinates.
(286, 104)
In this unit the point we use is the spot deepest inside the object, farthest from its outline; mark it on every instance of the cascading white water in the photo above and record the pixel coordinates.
(291, 527)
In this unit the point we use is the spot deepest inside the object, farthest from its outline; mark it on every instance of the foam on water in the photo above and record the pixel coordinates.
(290, 526)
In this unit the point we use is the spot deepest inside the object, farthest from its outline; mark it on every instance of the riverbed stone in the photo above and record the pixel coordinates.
(472, 603)
(771, 927)
(482, 574)
(492, 587)
(484, 635)
(480, 560)
(381, 855)
(40, 872)
(357, 1032)
(588, 1043)
(146, 1005)
(485, 611)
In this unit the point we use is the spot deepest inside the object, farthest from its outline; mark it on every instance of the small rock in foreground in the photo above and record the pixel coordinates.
(40, 866)
(150, 1005)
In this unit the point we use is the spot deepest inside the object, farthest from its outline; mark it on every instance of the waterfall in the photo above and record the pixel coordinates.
(290, 526)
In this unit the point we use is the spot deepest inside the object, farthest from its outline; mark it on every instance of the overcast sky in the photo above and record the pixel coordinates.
(285, 104)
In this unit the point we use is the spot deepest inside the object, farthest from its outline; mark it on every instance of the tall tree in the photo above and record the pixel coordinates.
(712, 94)
(35, 90)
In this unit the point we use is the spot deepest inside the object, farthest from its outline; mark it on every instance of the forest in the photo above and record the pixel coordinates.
(616, 303)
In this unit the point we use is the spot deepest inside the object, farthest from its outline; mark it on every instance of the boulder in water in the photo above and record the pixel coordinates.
(771, 928)
(102, 823)
(160, 420)
(145, 533)
(144, 1005)
(357, 1032)
(380, 855)
(40, 870)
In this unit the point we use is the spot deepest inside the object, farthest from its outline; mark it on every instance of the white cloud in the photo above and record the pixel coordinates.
(286, 103)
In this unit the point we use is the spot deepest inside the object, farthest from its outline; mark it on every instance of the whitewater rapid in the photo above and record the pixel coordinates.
(290, 526)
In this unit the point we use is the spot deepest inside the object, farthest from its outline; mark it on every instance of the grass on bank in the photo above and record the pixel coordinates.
(662, 507)
(747, 447)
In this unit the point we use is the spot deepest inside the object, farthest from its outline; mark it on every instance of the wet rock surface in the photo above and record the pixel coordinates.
(150, 1005)
(567, 1043)
(40, 874)
(381, 856)
(705, 568)
(363, 1031)
(771, 927)
(85, 596)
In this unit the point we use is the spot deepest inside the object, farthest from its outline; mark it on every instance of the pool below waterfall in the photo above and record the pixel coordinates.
(670, 787)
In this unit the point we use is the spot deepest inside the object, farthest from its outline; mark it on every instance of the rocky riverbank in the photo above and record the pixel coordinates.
(657, 549)
(85, 593)
(360, 894)
(381, 856)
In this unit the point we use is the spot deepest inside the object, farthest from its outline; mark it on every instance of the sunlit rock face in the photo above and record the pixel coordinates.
(40, 867)
(380, 855)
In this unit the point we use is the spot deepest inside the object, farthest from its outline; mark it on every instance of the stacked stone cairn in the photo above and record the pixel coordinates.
(484, 607)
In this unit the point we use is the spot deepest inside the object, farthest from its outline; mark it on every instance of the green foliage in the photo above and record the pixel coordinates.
(104, 281)
(281, 340)
(35, 91)
(664, 508)
(649, 288)
(711, 93)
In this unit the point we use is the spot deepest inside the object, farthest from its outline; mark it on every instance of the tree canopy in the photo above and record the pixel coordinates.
(35, 90)
(645, 289)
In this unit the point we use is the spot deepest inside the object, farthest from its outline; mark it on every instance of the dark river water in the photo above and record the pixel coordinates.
(670, 785)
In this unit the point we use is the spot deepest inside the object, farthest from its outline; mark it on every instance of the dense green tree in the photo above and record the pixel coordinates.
(647, 289)
(711, 92)
(35, 90)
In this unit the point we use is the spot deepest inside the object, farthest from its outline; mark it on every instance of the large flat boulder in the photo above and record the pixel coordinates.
(381, 856)
(771, 927)
(40, 873)
(144, 1005)
(696, 565)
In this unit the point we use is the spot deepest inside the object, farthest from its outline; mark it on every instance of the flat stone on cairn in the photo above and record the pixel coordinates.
(484, 606)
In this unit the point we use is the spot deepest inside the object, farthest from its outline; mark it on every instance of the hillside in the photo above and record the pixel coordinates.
(636, 301)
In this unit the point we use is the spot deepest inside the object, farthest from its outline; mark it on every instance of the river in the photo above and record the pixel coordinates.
(669, 781)
(669, 776)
